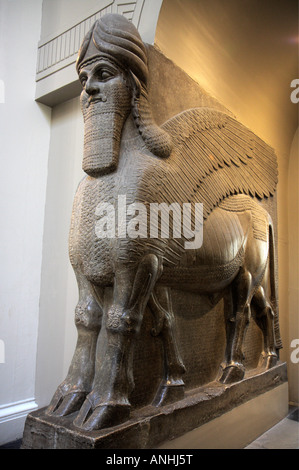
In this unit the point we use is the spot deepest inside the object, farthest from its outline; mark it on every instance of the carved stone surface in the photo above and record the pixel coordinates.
(157, 317)
(151, 426)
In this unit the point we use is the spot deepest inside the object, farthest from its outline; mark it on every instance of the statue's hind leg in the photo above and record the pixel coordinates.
(172, 386)
(71, 393)
(264, 317)
(241, 294)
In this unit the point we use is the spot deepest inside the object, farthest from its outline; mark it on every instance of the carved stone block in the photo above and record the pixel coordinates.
(150, 427)
(165, 298)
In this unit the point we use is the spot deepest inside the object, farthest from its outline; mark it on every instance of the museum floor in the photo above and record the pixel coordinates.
(284, 435)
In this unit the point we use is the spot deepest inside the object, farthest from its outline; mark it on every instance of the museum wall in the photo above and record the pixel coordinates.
(25, 134)
(59, 294)
(245, 54)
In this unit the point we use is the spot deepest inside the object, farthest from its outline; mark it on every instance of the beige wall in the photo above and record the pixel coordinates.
(245, 54)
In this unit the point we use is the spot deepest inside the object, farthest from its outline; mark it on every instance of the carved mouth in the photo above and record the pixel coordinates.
(97, 99)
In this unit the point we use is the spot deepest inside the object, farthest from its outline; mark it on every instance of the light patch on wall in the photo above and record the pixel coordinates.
(2, 91)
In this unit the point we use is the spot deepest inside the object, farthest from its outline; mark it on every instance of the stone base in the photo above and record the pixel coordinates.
(239, 427)
(150, 426)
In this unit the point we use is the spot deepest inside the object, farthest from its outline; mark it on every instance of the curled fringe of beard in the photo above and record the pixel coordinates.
(103, 128)
(102, 143)
(156, 139)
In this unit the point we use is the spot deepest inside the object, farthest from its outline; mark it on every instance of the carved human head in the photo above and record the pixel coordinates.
(114, 46)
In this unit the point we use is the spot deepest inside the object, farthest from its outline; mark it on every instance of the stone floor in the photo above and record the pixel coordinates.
(284, 435)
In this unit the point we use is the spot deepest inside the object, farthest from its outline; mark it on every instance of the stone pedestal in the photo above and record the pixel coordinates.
(150, 427)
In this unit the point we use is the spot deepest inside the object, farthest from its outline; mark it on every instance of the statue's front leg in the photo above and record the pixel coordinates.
(108, 403)
(71, 393)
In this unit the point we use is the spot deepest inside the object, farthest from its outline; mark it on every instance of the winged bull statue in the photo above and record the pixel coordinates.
(199, 156)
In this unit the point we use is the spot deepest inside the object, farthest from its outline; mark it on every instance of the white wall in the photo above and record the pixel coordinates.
(25, 133)
(59, 14)
(57, 333)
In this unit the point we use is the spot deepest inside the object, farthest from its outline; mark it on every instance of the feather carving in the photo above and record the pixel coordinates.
(216, 156)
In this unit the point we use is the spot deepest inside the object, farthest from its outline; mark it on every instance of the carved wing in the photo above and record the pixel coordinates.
(217, 157)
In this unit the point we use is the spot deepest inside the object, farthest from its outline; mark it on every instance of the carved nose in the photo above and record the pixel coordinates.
(91, 87)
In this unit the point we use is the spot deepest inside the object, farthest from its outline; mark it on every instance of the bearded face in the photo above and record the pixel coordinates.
(106, 104)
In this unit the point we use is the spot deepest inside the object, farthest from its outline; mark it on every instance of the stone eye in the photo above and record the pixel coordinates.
(104, 74)
(83, 81)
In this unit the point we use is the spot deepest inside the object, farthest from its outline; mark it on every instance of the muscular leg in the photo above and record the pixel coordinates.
(71, 393)
(229, 317)
(265, 320)
(108, 403)
(172, 386)
(241, 290)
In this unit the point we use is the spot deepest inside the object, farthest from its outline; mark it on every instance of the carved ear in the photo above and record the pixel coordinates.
(156, 139)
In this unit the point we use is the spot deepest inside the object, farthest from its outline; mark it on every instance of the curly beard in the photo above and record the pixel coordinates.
(104, 118)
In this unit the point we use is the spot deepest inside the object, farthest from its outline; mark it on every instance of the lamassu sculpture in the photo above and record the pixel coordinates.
(199, 156)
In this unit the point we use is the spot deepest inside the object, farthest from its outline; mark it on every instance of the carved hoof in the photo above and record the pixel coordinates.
(65, 404)
(103, 416)
(232, 373)
(268, 360)
(169, 393)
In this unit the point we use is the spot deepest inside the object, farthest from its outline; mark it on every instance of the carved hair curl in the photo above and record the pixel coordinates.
(156, 139)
